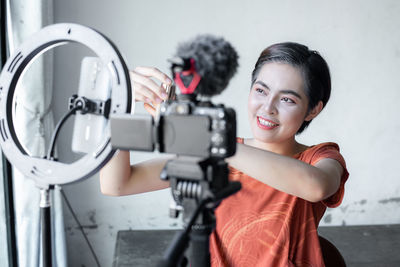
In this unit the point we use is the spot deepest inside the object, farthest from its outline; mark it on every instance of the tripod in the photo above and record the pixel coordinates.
(197, 186)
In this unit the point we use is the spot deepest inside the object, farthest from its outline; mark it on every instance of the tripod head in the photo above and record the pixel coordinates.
(197, 187)
(193, 180)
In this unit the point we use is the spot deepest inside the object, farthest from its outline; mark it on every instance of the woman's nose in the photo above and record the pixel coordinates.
(270, 106)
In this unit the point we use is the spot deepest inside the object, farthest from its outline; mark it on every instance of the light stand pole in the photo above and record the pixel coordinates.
(45, 226)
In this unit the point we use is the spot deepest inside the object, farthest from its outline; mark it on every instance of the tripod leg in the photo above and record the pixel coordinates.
(200, 250)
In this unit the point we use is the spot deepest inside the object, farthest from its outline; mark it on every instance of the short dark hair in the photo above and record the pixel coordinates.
(313, 67)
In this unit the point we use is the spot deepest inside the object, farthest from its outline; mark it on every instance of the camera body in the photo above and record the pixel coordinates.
(184, 127)
(198, 129)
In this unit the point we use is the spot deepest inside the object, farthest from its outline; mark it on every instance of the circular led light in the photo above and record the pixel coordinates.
(45, 172)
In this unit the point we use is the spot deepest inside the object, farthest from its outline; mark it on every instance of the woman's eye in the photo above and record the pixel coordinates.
(259, 90)
(288, 100)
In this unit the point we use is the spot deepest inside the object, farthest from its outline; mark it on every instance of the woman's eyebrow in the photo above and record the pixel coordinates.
(262, 84)
(290, 92)
(287, 91)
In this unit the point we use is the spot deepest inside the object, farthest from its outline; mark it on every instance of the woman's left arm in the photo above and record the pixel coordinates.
(292, 176)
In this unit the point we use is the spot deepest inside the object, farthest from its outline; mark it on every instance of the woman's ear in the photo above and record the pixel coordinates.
(315, 111)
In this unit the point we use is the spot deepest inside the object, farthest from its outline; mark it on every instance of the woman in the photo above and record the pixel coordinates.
(286, 186)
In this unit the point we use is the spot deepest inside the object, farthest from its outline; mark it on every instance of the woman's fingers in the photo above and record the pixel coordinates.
(145, 86)
(150, 109)
(153, 72)
(142, 93)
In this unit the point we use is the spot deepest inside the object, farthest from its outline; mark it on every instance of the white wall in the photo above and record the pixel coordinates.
(360, 41)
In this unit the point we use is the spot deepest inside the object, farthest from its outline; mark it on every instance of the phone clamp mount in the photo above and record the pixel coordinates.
(93, 106)
(46, 172)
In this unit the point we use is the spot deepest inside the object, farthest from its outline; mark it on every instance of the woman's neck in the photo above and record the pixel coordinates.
(289, 148)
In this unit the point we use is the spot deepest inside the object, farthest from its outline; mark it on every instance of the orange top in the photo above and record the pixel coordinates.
(261, 226)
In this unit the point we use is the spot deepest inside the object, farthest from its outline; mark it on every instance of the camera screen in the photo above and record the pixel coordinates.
(189, 135)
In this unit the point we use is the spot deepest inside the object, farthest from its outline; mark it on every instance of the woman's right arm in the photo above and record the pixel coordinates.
(118, 177)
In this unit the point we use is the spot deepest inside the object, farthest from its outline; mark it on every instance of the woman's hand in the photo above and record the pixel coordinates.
(147, 90)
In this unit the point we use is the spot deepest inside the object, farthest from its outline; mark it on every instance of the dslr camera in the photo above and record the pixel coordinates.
(191, 125)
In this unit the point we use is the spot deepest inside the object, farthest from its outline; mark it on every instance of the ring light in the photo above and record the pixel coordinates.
(46, 172)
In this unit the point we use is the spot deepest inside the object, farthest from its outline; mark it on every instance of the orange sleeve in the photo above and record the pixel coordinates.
(331, 151)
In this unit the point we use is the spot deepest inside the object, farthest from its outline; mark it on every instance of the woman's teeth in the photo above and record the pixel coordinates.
(266, 123)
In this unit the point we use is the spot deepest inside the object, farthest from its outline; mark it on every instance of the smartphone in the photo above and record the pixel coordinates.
(94, 83)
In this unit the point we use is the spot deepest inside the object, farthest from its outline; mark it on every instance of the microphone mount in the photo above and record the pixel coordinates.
(185, 67)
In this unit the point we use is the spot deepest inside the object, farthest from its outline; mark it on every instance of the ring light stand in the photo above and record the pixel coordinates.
(47, 172)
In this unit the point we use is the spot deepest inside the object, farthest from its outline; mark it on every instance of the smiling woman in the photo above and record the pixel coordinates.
(286, 186)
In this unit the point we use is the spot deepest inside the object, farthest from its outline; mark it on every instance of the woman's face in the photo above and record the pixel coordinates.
(277, 104)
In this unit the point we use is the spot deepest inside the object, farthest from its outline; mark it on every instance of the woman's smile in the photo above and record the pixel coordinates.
(266, 124)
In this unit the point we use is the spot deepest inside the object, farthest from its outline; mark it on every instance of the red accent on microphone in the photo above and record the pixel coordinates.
(195, 80)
